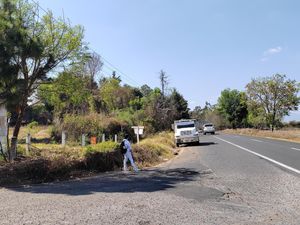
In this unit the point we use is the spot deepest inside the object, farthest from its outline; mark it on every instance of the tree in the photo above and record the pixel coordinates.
(9, 83)
(40, 44)
(232, 104)
(163, 82)
(114, 95)
(209, 114)
(92, 67)
(178, 105)
(61, 95)
(146, 90)
(276, 96)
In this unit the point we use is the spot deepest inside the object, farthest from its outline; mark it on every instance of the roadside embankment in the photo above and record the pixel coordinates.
(50, 162)
(284, 134)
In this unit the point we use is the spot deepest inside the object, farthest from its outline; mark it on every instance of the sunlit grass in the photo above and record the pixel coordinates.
(284, 134)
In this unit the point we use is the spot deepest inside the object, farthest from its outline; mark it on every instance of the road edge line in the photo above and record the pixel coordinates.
(262, 156)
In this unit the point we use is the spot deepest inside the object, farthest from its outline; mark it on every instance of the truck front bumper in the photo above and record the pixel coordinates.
(184, 140)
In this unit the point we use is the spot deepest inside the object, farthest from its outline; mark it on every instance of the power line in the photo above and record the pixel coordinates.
(110, 67)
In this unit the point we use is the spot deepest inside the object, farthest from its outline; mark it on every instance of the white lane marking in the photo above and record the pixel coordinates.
(262, 156)
(256, 140)
(297, 149)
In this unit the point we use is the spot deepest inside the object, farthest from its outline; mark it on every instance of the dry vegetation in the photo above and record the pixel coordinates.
(48, 162)
(284, 134)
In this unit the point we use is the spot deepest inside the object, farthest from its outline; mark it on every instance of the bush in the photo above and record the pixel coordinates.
(106, 146)
(92, 125)
(33, 124)
(154, 149)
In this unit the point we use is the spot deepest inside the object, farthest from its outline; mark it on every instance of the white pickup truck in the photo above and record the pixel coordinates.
(186, 132)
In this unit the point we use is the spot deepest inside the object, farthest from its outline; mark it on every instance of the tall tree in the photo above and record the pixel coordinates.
(163, 82)
(232, 104)
(275, 95)
(92, 67)
(178, 105)
(41, 43)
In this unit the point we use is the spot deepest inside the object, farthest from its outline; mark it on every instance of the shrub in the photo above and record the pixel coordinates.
(92, 124)
(33, 124)
(106, 146)
(154, 149)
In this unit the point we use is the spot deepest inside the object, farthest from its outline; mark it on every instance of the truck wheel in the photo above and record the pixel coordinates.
(213, 133)
(204, 133)
(177, 145)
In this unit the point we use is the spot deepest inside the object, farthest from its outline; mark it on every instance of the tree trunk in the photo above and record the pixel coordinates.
(14, 139)
(273, 121)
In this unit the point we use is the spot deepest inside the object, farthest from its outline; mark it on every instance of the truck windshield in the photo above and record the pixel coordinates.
(179, 126)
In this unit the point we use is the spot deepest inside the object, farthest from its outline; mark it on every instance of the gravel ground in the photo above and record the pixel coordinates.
(190, 189)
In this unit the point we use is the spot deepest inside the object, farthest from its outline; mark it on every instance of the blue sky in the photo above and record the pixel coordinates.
(204, 46)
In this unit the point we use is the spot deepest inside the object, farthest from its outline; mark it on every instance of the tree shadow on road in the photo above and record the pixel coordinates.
(118, 182)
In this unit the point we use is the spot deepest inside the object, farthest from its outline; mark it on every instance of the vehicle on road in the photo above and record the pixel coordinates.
(208, 128)
(186, 132)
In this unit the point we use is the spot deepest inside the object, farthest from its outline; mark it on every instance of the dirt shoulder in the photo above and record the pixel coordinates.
(292, 135)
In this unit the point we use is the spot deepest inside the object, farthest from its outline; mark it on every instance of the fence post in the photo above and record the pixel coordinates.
(28, 143)
(116, 138)
(63, 138)
(103, 137)
(83, 140)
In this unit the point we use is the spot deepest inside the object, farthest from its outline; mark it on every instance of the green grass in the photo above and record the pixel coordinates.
(107, 146)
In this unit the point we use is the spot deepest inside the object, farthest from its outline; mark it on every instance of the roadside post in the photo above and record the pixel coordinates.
(28, 143)
(63, 138)
(3, 127)
(103, 137)
(83, 140)
(116, 138)
(138, 130)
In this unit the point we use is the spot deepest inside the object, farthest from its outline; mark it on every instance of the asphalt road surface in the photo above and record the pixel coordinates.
(227, 179)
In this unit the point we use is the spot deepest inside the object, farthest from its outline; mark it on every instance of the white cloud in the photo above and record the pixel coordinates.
(272, 51)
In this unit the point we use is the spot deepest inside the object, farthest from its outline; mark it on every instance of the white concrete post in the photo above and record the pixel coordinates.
(3, 127)
(116, 138)
(83, 140)
(103, 137)
(63, 138)
(28, 143)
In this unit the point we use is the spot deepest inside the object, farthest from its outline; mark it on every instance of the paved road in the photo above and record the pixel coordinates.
(221, 181)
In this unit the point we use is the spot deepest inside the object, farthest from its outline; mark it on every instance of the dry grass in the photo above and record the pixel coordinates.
(54, 151)
(38, 132)
(284, 134)
(48, 162)
(155, 149)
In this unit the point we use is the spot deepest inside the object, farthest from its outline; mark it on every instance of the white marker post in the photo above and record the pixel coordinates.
(138, 130)
(3, 127)
(63, 138)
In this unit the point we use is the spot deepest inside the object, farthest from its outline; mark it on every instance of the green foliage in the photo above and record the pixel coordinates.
(106, 146)
(209, 114)
(33, 124)
(32, 45)
(114, 95)
(61, 95)
(233, 105)
(179, 106)
(92, 124)
(273, 97)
